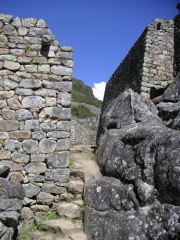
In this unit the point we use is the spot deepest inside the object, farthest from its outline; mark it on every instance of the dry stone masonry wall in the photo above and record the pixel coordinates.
(35, 99)
(148, 67)
(84, 131)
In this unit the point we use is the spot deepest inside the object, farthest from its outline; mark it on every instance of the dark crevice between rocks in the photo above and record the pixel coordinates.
(132, 141)
(156, 92)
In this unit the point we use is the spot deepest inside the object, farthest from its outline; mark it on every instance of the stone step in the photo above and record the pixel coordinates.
(49, 236)
(62, 226)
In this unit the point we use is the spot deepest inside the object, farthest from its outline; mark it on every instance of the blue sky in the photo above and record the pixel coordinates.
(101, 32)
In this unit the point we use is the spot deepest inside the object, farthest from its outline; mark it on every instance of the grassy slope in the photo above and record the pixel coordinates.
(83, 93)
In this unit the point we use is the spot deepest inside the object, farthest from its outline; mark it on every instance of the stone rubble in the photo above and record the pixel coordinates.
(11, 196)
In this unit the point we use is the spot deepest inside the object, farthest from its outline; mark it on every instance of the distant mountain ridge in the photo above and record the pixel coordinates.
(87, 105)
(84, 94)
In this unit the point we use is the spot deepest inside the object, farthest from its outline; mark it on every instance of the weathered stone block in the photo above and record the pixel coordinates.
(8, 114)
(64, 125)
(30, 83)
(13, 145)
(48, 126)
(52, 188)
(58, 160)
(38, 157)
(56, 113)
(60, 86)
(23, 92)
(63, 144)
(58, 134)
(10, 189)
(14, 167)
(31, 190)
(76, 186)
(32, 125)
(4, 154)
(20, 158)
(29, 22)
(20, 135)
(69, 210)
(9, 125)
(44, 68)
(64, 99)
(11, 65)
(50, 101)
(33, 102)
(36, 178)
(17, 177)
(22, 31)
(57, 175)
(30, 146)
(47, 146)
(39, 208)
(14, 103)
(45, 198)
(8, 84)
(23, 114)
(45, 93)
(35, 168)
(38, 135)
(60, 70)
(10, 205)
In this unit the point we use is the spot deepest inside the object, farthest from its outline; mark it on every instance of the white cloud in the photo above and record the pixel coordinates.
(98, 90)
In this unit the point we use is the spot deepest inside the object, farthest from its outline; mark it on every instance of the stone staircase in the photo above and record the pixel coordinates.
(68, 224)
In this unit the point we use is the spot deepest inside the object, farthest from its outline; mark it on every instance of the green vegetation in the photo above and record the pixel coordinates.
(81, 209)
(26, 230)
(81, 112)
(2, 141)
(84, 94)
(71, 164)
(28, 49)
(32, 226)
(44, 216)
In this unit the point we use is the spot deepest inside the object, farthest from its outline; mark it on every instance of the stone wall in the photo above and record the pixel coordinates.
(149, 64)
(84, 131)
(35, 98)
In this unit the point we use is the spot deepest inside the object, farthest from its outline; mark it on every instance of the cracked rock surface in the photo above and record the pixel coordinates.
(138, 195)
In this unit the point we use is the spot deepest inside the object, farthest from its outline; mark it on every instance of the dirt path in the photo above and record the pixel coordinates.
(83, 159)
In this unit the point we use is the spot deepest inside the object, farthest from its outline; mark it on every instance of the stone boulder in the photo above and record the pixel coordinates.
(126, 109)
(11, 195)
(172, 93)
(139, 194)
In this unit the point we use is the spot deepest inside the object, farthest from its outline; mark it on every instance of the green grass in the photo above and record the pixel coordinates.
(71, 164)
(44, 216)
(26, 230)
(81, 112)
(84, 94)
(32, 226)
(81, 208)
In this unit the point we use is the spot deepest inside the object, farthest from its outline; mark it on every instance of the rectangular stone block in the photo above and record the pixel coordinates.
(4, 155)
(21, 134)
(60, 86)
(57, 175)
(9, 125)
(58, 159)
(56, 113)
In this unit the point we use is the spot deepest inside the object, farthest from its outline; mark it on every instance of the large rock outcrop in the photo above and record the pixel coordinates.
(138, 153)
